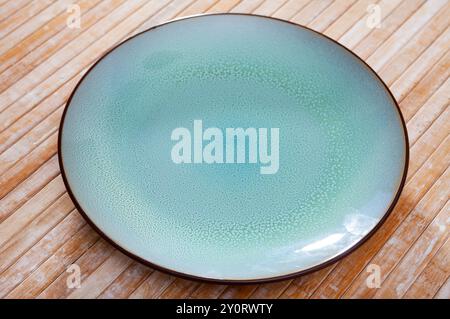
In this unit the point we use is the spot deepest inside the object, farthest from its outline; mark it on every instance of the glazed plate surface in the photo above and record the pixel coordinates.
(342, 150)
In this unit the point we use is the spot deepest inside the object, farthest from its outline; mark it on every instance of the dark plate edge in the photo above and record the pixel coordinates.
(228, 281)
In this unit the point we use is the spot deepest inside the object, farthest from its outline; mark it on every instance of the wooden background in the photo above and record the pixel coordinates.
(41, 233)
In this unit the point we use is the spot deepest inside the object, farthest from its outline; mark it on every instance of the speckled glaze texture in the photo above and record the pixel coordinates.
(342, 147)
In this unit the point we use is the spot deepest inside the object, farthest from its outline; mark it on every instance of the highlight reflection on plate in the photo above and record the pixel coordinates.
(342, 148)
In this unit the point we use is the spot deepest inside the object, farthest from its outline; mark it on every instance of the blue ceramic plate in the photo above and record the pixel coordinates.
(233, 148)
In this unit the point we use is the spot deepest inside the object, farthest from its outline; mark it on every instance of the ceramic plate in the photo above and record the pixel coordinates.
(233, 148)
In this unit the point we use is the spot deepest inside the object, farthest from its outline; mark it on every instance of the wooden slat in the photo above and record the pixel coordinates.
(310, 11)
(394, 68)
(246, 6)
(391, 23)
(289, 9)
(8, 8)
(444, 291)
(360, 30)
(428, 113)
(57, 263)
(237, 292)
(333, 12)
(419, 68)
(405, 32)
(431, 82)
(19, 17)
(404, 236)
(68, 62)
(403, 276)
(34, 137)
(19, 272)
(126, 282)
(178, 289)
(91, 259)
(102, 276)
(28, 212)
(351, 266)
(207, 291)
(168, 12)
(35, 116)
(153, 286)
(28, 165)
(269, 7)
(304, 287)
(197, 6)
(223, 6)
(429, 142)
(348, 19)
(42, 44)
(429, 282)
(24, 192)
(34, 231)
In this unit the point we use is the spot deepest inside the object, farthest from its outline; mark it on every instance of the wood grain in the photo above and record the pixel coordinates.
(41, 232)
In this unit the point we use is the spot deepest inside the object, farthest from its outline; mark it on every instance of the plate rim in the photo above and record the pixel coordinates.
(188, 276)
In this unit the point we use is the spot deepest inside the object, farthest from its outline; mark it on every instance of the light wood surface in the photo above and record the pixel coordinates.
(42, 234)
